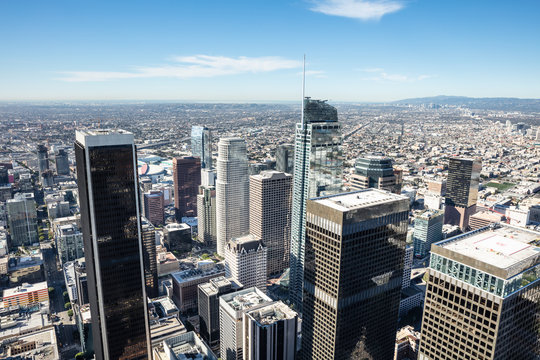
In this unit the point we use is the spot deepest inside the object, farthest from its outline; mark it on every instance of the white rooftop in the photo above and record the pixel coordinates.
(104, 137)
(359, 199)
(502, 247)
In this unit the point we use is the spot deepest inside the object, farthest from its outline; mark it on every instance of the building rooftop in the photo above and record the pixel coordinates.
(104, 137)
(188, 346)
(245, 299)
(428, 214)
(271, 313)
(271, 175)
(175, 226)
(504, 247)
(192, 274)
(25, 288)
(358, 199)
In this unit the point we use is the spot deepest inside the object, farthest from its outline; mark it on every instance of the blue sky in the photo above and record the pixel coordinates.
(357, 50)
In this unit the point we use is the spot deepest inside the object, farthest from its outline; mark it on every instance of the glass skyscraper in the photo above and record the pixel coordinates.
(318, 169)
(107, 180)
(201, 145)
(427, 230)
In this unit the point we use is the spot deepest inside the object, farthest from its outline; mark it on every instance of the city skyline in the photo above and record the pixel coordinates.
(380, 50)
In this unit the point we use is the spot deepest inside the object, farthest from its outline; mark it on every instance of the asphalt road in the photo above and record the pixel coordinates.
(67, 346)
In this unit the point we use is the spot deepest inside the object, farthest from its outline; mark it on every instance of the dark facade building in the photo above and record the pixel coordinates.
(208, 302)
(148, 234)
(154, 207)
(187, 178)
(482, 296)
(355, 245)
(108, 194)
(377, 172)
(285, 158)
(201, 145)
(177, 238)
(4, 176)
(461, 191)
(43, 158)
(62, 162)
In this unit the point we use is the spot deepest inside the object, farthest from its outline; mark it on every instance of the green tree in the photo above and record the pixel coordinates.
(70, 313)
(67, 305)
(79, 356)
(51, 289)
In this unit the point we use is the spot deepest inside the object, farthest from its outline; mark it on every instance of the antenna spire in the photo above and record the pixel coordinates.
(303, 90)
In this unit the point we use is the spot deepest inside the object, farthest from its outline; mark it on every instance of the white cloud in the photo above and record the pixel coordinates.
(381, 75)
(358, 9)
(183, 67)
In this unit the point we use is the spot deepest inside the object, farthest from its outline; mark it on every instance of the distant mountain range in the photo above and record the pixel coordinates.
(505, 104)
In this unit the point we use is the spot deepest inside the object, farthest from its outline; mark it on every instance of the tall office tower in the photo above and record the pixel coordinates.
(461, 191)
(427, 230)
(43, 158)
(4, 175)
(208, 296)
(187, 178)
(374, 171)
(270, 195)
(318, 170)
(285, 158)
(232, 191)
(62, 162)
(154, 209)
(201, 145)
(22, 220)
(206, 214)
(148, 234)
(482, 296)
(245, 261)
(270, 332)
(355, 245)
(407, 267)
(231, 310)
(208, 177)
(109, 201)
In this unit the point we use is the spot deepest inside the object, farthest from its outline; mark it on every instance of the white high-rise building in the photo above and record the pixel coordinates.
(232, 191)
(245, 261)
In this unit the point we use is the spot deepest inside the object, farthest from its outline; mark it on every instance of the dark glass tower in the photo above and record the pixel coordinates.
(201, 145)
(107, 180)
(375, 171)
(62, 162)
(187, 178)
(355, 245)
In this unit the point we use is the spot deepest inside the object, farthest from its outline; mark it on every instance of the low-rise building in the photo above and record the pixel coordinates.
(26, 295)
(186, 346)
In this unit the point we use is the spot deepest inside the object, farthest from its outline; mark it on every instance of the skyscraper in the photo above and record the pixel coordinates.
(285, 158)
(355, 246)
(232, 191)
(427, 230)
(201, 145)
(187, 178)
(43, 158)
(154, 207)
(482, 296)
(22, 220)
(461, 191)
(148, 234)
(206, 214)
(318, 169)
(375, 171)
(109, 201)
(245, 261)
(270, 195)
(62, 162)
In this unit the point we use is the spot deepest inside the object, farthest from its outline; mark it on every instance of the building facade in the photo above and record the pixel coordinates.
(148, 234)
(374, 171)
(43, 158)
(69, 242)
(461, 191)
(177, 238)
(353, 275)
(427, 230)
(318, 171)
(270, 195)
(482, 296)
(187, 178)
(154, 207)
(245, 261)
(232, 191)
(285, 158)
(206, 214)
(201, 145)
(109, 202)
(22, 220)
(62, 162)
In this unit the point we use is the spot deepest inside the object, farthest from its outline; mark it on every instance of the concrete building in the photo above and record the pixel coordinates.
(206, 213)
(186, 346)
(231, 313)
(232, 191)
(22, 220)
(270, 332)
(355, 246)
(427, 230)
(154, 207)
(285, 158)
(177, 238)
(208, 298)
(62, 162)
(148, 234)
(270, 195)
(461, 191)
(245, 261)
(167, 263)
(484, 218)
(187, 178)
(69, 242)
(482, 296)
(407, 342)
(185, 284)
(26, 295)
(375, 171)
(110, 217)
(318, 171)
